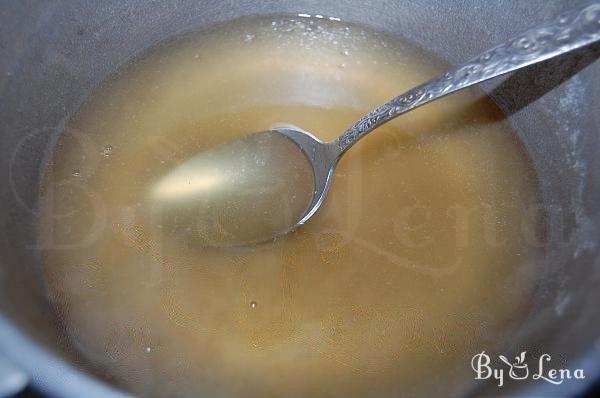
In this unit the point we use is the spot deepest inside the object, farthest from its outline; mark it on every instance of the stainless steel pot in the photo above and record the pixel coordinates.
(53, 53)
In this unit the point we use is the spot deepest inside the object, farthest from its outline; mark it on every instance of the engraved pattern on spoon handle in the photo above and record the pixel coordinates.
(569, 31)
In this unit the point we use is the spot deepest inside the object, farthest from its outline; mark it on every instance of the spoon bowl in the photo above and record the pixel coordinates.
(323, 157)
(238, 193)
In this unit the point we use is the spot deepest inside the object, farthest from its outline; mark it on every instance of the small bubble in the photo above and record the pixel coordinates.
(148, 349)
(76, 173)
(345, 53)
(106, 151)
(524, 43)
(342, 66)
(253, 304)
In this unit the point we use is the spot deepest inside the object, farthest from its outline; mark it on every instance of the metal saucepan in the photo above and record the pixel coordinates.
(53, 53)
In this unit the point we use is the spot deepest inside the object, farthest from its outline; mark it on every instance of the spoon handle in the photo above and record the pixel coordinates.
(571, 30)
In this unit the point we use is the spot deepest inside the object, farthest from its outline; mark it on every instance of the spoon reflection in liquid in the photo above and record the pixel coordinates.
(266, 184)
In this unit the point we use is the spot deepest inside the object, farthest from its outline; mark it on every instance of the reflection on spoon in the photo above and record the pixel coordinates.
(241, 192)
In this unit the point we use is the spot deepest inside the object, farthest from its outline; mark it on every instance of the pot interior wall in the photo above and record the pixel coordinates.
(53, 54)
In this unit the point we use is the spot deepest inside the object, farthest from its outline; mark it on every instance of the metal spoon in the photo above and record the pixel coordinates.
(268, 183)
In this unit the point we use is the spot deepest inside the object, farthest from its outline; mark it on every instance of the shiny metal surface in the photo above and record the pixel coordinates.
(52, 54)
(567, 32)
(12, 379)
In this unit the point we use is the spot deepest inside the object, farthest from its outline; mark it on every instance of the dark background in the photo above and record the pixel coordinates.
(593, 393)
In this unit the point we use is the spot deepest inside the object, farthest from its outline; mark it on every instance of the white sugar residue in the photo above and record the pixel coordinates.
(561, 304)
(570, 108)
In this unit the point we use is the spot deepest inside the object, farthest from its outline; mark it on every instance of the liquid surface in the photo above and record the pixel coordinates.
(423, 254)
